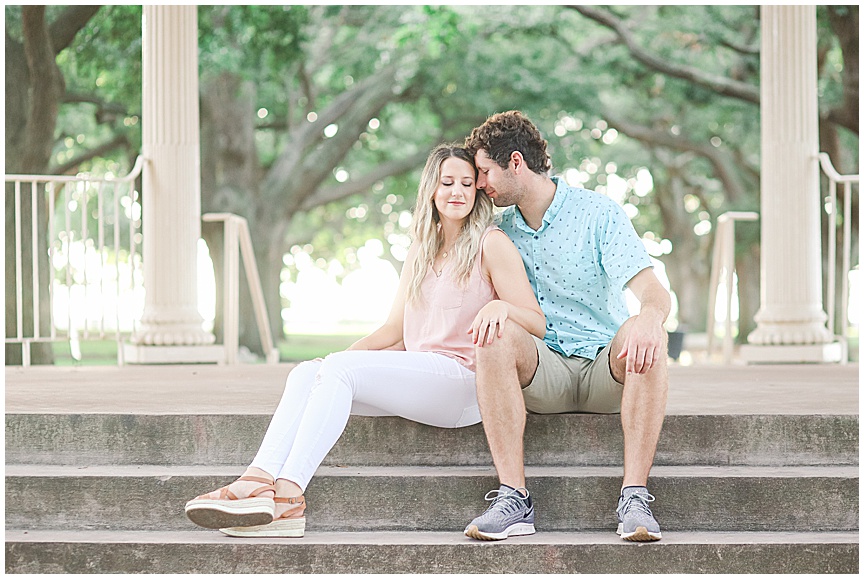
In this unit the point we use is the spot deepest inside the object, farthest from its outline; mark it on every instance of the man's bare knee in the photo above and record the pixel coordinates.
(500, 349)
(619, 367)
(515, 350)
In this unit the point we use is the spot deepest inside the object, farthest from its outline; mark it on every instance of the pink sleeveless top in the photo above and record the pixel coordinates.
(440, 320)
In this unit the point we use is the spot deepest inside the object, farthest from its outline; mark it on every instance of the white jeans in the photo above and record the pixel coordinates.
(319, 396)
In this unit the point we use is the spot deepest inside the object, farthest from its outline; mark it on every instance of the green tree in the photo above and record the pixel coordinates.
(689, 96)
(35, 36)
(310, 111)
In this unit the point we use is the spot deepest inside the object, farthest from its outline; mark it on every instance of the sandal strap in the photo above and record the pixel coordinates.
(291, 500)
(256, 479)
(226, 494)
(268, 486)
(291, 513)
(260, 490)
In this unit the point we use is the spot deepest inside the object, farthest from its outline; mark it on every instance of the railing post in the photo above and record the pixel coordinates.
(59, 186)
(258, 303)
(724, 259)
(231, 280)
(237, 243)
(34, 240)
(847, 180)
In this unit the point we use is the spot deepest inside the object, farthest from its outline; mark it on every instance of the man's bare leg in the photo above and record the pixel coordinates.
(643, 407)
(504, 367)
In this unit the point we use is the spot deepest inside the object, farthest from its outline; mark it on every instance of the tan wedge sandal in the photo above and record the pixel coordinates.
(225, 509)
(291, 523)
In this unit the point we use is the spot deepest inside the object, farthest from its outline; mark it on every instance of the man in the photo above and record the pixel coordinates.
(580, 251)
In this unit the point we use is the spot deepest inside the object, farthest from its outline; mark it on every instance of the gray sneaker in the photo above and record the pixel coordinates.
(635, 520)
(510, 513)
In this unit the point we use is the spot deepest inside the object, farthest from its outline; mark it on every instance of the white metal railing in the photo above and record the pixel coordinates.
(77, 253)
(835, 178)
(238, 242)
(723, 261)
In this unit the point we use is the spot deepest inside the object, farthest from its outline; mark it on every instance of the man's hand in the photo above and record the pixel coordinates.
(645, 343)
(646, 340)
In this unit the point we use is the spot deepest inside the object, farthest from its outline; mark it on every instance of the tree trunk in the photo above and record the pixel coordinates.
(32, 118)
(688, 267)
(230, 177)
(233, 182)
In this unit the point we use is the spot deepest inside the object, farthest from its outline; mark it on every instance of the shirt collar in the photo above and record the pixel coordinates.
(551, 212)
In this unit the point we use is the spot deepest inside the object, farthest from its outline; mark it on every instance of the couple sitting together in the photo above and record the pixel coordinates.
(495, 319)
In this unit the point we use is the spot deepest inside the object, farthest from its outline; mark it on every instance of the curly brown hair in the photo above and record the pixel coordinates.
(503, 133)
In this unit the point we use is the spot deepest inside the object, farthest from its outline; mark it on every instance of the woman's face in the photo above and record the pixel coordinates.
(457, 189)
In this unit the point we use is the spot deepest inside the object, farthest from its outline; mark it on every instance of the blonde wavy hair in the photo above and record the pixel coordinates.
(426, 228)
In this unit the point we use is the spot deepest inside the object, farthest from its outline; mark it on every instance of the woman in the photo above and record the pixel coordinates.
(462, 282)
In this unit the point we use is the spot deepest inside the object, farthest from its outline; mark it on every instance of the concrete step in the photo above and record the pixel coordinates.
(424, 552)
(733, 498)
(570, 439)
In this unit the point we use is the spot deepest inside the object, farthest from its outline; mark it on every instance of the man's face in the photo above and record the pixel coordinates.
(500, 184)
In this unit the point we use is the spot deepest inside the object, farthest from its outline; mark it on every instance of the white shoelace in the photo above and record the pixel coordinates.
(508, 501)
(638, 501)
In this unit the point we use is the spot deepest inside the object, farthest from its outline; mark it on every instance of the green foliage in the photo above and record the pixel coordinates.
(259, 43)
(457, 65)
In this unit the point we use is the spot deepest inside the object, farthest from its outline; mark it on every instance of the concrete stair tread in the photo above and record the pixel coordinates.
(428, 552)
(427, 538)
(563, 440)
(119, 471)
(407, 498)
(256, 389)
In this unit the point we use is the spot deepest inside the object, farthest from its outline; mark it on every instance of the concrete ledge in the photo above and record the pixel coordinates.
(408, 498)
(793, 354)
(564, 439)
(416, 552)
(257, 388)
(141, 354)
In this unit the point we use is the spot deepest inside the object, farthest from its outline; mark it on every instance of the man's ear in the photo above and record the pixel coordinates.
(517, 161)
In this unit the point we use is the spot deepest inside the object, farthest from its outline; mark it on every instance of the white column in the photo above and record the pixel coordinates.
(791, 321)
(171, 327)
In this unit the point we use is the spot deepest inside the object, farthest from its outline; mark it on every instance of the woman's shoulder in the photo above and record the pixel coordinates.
(496, 243)
(495, 235)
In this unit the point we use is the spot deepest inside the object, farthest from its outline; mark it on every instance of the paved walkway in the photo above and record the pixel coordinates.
(256, 388)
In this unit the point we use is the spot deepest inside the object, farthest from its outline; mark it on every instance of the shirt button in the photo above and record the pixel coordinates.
(536, 237)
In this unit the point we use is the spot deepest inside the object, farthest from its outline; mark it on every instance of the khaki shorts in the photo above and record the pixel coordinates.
(572, 384)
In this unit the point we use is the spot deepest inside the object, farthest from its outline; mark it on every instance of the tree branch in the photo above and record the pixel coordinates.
(300, 168)
(363, 183)
(68, 24)
(751, 50)
(723, 167)
(722, 85)
(116, 142)
(103, 108)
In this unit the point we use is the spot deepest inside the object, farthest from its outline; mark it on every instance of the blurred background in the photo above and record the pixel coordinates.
(316, 122)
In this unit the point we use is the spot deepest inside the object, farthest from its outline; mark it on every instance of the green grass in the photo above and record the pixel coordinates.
(307, 347)
(93, 353)
(295, 349)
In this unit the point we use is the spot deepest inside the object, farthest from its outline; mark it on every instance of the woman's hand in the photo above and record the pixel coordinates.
(489, 322)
